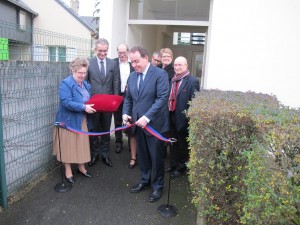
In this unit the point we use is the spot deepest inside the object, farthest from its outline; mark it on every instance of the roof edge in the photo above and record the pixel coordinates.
(69, 10)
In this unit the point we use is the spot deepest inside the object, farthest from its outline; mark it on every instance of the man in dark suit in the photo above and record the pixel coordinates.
(183, 88)
(146, 103)
(103, 75)
(125, 68)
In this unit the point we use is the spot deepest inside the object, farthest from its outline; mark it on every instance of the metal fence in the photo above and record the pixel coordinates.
(29, 102)
(30, 74)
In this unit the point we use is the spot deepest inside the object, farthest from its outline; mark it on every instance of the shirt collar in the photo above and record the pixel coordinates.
(146, 69)
(99, 60)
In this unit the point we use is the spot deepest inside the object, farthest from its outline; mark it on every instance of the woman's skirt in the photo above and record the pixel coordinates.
(74, 148)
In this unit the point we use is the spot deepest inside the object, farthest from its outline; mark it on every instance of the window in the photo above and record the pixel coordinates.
(57, 54)
(182, 38)
(22, 20)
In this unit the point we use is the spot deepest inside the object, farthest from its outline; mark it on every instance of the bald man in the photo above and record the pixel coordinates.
(182, 90)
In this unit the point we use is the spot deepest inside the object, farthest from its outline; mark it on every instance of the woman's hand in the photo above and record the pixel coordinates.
(89, 108)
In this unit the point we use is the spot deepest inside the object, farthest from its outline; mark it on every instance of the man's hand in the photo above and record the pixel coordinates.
(142, 122)
(126, 119)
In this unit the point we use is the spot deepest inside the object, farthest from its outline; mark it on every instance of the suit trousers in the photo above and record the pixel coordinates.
(101, 122)
(179, 150)
(150, 158)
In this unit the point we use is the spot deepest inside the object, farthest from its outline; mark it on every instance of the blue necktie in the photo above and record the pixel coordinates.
(102, 70)
(141, 82)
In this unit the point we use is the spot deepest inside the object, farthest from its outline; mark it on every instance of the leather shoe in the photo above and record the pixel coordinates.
(107, 162)
(139, 187)
(70, 179)
(155, 195)
(86, 174)
(93, 160)
(119, 147)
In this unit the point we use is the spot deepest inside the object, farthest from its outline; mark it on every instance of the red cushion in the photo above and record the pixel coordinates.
(105, 102)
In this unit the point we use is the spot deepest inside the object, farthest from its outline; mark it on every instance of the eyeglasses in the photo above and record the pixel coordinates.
(81, 73)
(166, 56)
(122, 53)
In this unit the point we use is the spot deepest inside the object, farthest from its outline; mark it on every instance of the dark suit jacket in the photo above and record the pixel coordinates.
(110, 84)
(186, 92)
(152, 100)
(118, 65)
(170, 70)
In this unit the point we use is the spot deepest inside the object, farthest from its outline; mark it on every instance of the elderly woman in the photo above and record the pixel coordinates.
(74, 92)
(166, 55)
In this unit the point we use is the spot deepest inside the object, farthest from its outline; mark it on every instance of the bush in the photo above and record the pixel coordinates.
(244, 161)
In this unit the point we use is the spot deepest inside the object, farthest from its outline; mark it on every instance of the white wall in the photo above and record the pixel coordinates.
(53, 17)
(255, 45)
(114, 30)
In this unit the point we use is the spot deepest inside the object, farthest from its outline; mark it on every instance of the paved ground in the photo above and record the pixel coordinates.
(102, 200)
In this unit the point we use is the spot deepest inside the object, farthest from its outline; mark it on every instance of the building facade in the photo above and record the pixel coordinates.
(250, 45)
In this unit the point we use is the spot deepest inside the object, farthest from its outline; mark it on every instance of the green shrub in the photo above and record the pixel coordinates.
(244, 161)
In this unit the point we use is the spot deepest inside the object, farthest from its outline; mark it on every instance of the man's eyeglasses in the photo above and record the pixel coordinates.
(122, 53)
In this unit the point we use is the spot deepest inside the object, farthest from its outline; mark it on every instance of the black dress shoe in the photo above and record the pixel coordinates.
(93, 160)
(107, 162)
(70, 180)
(86, 174)
(139, 187)
(119, 147)
(155, 195)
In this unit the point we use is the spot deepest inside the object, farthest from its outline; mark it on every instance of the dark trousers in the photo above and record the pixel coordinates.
(150, 158)
(179, 150)
(118, 123)
(101, 122)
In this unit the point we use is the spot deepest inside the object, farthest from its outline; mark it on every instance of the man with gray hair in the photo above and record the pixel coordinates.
(104, 77)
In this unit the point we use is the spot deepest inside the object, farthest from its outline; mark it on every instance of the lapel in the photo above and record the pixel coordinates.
(74, 83)
(146, 81)
(97, 68)
(183, 84)
(135, 83)
(107, 74)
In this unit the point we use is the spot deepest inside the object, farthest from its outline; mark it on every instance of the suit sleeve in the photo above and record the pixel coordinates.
(127, 105)
(195, 87)
(162, 87)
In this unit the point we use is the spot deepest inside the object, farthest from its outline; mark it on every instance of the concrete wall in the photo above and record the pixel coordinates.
(115, 31)
(254, 45)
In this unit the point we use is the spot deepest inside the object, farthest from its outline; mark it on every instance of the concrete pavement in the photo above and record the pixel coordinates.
(102, 200)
